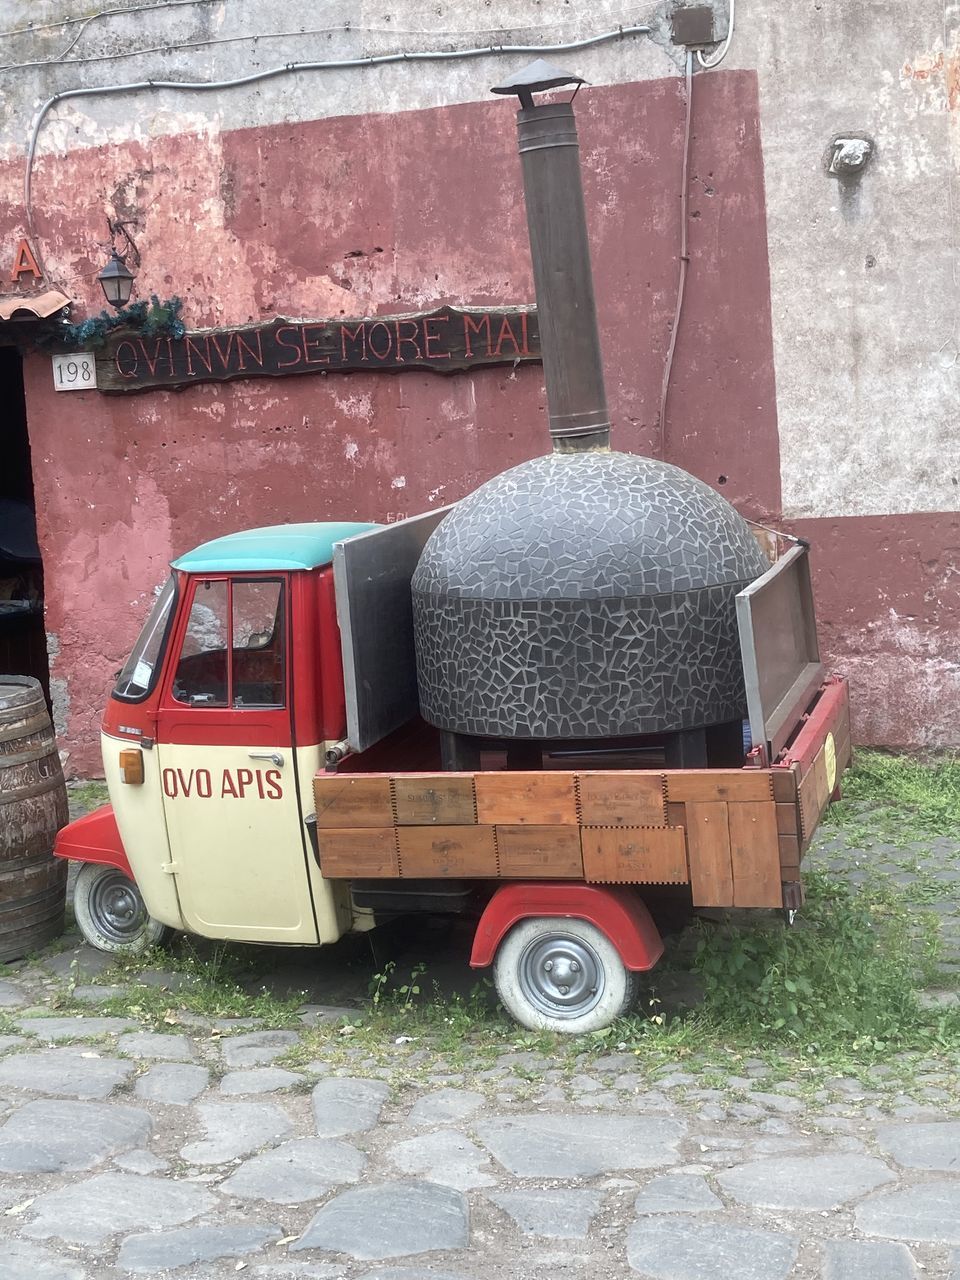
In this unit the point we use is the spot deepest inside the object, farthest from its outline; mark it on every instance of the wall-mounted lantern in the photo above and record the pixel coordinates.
(116, 281)
(116, 278)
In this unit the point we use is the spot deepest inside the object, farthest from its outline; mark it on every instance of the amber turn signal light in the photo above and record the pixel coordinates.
(131, 765)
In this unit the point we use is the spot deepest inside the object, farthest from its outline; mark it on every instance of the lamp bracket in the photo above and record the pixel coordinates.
(119, 227)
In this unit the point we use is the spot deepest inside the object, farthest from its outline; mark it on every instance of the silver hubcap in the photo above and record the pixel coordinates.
(561, 976)
(117, 908)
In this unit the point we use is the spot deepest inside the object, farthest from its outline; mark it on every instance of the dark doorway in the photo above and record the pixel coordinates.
(23, 641)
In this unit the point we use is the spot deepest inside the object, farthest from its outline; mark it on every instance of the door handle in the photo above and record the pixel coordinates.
(273, 756)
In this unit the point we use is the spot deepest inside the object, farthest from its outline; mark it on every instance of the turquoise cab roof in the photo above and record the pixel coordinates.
(278, 546)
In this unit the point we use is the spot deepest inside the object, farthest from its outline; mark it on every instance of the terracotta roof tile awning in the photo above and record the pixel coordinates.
(35, 306)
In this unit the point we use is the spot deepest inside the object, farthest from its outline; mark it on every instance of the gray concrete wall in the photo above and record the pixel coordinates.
(863, 275)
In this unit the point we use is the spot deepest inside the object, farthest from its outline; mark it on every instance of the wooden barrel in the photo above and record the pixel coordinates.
(33, 808)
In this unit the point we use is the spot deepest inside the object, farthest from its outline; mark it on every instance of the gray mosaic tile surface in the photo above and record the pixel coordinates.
(583, 595)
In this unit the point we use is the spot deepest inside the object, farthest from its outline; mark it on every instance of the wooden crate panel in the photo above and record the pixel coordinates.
(518, 798)
(432, 852)
(622, 799)
(676, 814)
(843, 723)
(352, 800)
(704, 786)
(784, 785)
(708, 848)
(809, 814)
(788, 819)
(434, 800)
(789, 854)
(361, 854)
(755, 855)
(634, 855)
(813, 794)
(539, 853)
(822, 779)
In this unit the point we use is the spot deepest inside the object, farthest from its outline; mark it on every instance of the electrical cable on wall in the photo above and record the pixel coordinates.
(257, 77)
(124, 10)
(713, 61)
(186, 45)
(83, 19)
(718, 55)
(344, 28)
(684, 252)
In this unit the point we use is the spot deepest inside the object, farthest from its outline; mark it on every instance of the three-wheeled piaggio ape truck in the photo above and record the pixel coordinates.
(527, 706)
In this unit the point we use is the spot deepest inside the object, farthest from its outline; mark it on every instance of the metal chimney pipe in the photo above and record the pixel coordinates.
(556, 220)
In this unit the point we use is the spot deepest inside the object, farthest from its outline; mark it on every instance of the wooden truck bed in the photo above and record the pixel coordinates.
(736, 836)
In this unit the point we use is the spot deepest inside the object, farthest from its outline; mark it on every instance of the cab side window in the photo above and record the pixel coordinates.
(201, 678)
(257, 644)
(232, 654)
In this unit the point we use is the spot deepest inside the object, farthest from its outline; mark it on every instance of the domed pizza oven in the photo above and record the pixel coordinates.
(587, 594)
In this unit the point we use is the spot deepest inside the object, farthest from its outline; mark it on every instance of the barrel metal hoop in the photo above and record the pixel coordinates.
(27, 793)
(16, 905)
(24, 864)
(25, 757)
(26, 727)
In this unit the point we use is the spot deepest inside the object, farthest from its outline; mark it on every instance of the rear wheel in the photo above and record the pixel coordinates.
(562, 975)
(111, 913)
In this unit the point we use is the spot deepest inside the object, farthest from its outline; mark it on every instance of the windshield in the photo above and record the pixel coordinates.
(139, 672)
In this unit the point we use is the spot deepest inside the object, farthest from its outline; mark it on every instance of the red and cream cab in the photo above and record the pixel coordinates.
(217, 723)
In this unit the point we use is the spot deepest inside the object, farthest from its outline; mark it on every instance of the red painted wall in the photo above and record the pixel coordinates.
(888, 603)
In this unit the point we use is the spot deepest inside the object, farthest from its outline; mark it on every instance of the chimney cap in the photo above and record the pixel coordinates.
(536, 77)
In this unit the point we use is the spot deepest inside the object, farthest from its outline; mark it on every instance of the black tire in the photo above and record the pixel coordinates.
(111, 913)
(557, 974)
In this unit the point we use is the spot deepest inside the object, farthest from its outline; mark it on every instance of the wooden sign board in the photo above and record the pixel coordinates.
(441, 341)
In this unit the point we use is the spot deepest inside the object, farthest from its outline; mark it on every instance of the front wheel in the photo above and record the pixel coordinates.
(556, 974)
(111, 913)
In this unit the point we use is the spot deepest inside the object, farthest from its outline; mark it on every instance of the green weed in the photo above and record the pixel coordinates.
(845, 977)
(899, 798)
(87, 796)
(382, 987)
(213, 983)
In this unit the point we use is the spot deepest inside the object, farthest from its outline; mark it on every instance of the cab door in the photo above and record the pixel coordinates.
(228, 765)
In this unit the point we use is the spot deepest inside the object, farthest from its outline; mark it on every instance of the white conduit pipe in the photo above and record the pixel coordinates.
(375, 60)
(718, 55)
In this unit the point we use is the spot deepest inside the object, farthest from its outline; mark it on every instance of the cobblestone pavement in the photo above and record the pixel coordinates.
(126, 1151)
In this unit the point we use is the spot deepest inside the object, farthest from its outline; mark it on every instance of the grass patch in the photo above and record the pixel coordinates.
(88, 795)
(846, 978)
(437, 1033)
(836, 994)
(899, 798)
(211, 985)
